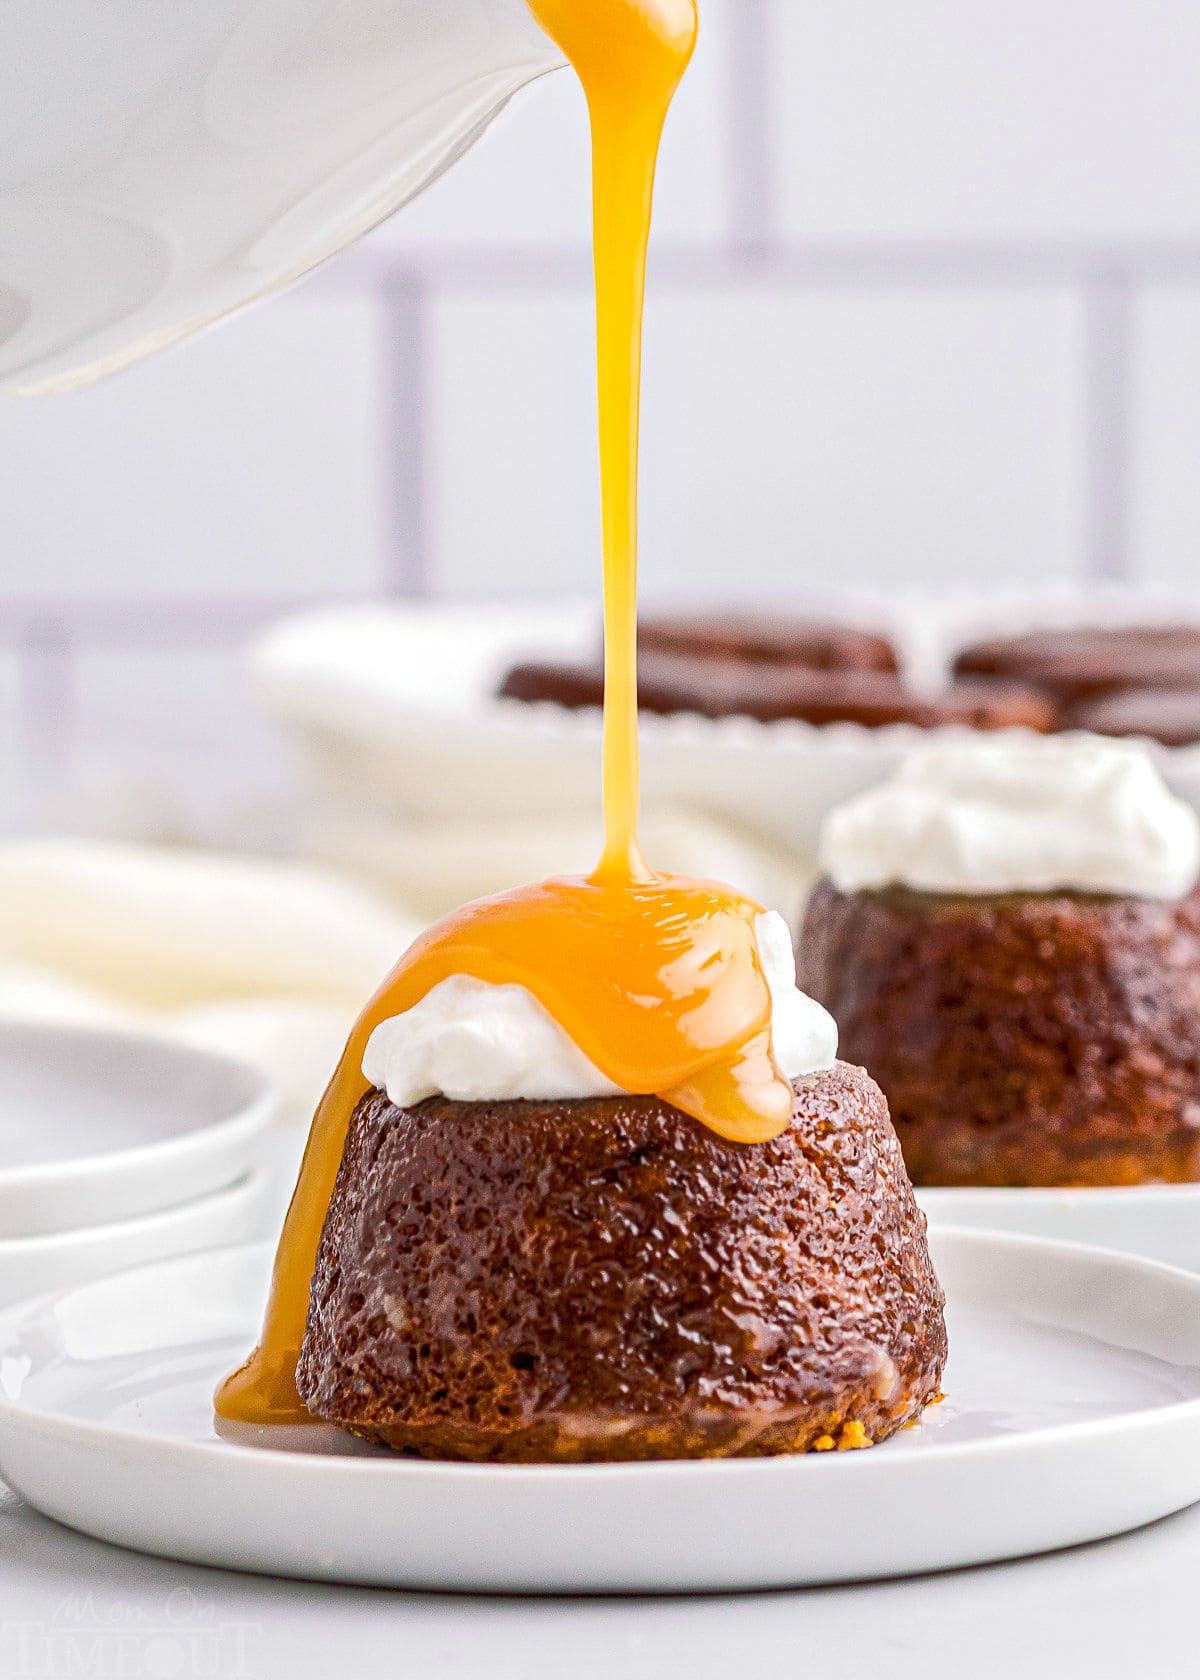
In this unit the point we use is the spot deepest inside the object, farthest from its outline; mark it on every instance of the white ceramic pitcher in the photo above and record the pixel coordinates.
(164, 161)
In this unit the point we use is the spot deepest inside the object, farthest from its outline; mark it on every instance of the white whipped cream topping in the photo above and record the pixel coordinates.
(477, 1042)
(1018, 814)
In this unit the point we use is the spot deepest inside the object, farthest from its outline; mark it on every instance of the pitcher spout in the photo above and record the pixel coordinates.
(174, 163)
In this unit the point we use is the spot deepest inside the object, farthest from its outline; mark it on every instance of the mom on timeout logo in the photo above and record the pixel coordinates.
(84, 1638)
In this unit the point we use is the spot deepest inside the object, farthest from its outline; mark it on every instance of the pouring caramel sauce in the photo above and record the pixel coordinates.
(655, 977)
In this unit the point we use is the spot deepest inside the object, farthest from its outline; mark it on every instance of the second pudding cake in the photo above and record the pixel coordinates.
(1008, 935)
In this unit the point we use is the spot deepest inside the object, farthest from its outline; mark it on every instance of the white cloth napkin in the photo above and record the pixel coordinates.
(154, 927)
(267, 961)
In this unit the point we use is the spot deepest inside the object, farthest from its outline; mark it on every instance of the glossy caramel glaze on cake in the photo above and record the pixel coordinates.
(606, 1279)
(1021, 1038)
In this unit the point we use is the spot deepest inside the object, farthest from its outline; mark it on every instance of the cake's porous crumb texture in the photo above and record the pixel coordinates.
(1022, 1038)
(608, 1280)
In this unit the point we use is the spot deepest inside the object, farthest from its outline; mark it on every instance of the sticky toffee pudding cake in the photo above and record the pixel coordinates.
(1009, 938)
(509, 1275)
(505, 1275)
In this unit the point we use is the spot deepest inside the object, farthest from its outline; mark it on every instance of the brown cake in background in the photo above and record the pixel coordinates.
(1139, 680)
(1021, 1038)
(569, 683)
(716, 688)
(771, 639)
(1077, 664)
(606, 1279)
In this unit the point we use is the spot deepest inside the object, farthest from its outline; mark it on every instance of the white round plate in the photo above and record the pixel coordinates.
(98, 1126)
(238, 1213)
(1158, 1221)
(1073, 1412)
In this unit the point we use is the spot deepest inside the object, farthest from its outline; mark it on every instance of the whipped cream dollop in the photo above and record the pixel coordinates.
(1018, 814)
(473, 1041)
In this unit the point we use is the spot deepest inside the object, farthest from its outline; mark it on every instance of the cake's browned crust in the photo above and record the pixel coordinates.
(719, 688)
(1078, 664)
(768, 638)
(1022, 1039)
(609, 1280)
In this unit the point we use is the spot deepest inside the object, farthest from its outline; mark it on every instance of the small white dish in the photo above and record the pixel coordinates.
(237, 1213)
(98, 1126)
(1157, 1221)
(1073, 1412)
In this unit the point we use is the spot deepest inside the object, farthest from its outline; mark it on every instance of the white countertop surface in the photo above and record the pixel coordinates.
(1123, 1609)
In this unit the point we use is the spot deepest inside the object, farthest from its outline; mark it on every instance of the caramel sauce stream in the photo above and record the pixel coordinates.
(656, 978)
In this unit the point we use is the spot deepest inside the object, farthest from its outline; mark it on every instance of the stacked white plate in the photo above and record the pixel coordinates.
(117, 1149)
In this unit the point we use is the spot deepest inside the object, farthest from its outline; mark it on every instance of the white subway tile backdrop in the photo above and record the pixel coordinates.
(1039, 119)
(1165, 427)
(247, 463)
(924, 306)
